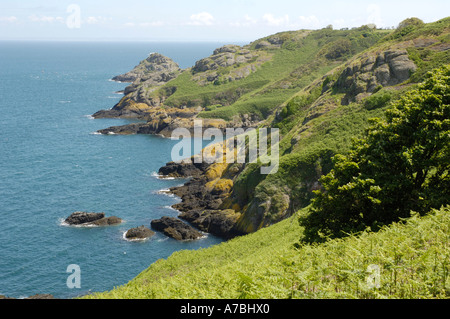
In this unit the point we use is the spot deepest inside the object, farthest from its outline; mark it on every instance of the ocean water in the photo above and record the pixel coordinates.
(51, 165)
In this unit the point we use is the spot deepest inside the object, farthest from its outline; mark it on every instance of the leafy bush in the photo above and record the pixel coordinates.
(415, 22)
(338, 49)
(401, 165)
(380, 99)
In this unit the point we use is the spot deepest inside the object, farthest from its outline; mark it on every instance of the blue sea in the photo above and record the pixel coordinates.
(52, 164)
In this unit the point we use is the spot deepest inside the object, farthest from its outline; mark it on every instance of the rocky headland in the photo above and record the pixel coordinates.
(340, 68)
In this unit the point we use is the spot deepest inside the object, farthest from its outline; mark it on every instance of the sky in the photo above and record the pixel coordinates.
(202, 20)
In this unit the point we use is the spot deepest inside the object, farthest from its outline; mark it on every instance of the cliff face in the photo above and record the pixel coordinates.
(318, 87)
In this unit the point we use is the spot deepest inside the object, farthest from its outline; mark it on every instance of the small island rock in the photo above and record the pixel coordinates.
(176, 229)
(140, 232)
(91, 219)
(79, 218)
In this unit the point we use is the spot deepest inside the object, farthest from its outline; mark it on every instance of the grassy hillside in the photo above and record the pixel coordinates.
(413, 260)
(321, 119)
(320, 88)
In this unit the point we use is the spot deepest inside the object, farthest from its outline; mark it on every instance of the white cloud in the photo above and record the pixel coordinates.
(48, 19)
(151, 24)
(10, 19)
(144, 24)
(202, 18)
(246, 22)
(275, 22)
(92, 20)
(97, 20)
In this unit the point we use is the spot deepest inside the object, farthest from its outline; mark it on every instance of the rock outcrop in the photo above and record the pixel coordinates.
(91, 219)
(79, 218)
(220, 223)
(184, 169)
(155, 70)
(205, 197)
(149, 75)
(107, 221)
(175, 228)
(139, 233)
(237, 61)
(365, 75)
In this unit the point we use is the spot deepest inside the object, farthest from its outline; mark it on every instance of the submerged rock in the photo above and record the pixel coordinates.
(140, 232)
(175, 228)
(91, 219)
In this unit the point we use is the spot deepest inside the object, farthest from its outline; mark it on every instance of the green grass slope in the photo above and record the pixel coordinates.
(321, 119)
(320, 88)
(413, 260)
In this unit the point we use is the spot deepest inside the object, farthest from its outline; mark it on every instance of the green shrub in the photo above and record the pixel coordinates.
(380, 99)
(401, 165)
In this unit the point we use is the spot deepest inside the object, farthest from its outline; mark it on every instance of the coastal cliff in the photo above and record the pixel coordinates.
(319, 88)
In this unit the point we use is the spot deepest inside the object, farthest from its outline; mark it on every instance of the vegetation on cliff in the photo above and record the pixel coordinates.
(401, 165)
(321, 89)
(411, 260)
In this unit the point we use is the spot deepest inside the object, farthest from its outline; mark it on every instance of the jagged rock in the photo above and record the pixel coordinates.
(156, 68)
(183, 169)
(79, 218)
(232, 48)
(387, 68)
(107, 221)
(140, 232)
(150, 74)
(220, 223)
(175, 228)
(91, 219)
(242, 61)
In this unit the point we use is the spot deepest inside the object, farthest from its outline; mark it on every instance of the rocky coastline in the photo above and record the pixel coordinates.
(203, 207)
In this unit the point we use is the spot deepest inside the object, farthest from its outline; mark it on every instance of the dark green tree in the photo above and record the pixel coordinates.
(400, 165)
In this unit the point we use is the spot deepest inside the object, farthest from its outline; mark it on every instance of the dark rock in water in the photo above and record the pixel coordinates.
(220, 223)
(91, 219)
(183, 169)
(140, 232)
(107, 221)
(79, 218)
(175, 228)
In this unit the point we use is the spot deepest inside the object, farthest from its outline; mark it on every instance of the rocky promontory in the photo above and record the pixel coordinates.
(149, 75)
